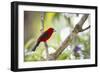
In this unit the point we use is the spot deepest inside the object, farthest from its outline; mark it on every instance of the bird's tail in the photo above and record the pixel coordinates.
(36, 45)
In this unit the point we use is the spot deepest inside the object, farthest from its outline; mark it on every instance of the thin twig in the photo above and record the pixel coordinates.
(42, 30)
(47, 52)
(85, 28)
(42, 23)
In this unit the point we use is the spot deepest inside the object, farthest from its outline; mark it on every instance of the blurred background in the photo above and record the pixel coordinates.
(63, 23)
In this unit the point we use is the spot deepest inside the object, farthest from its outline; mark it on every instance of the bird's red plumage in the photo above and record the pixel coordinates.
(44, 37)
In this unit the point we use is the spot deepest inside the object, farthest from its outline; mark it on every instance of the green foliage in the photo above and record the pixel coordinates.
(64, 55)
(34, 57)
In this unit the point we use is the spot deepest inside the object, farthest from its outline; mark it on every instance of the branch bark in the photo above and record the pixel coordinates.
(67, 41)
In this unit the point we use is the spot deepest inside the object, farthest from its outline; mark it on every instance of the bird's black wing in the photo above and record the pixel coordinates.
(44, 35)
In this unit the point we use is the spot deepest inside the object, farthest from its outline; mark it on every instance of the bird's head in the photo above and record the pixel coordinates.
(51, 30)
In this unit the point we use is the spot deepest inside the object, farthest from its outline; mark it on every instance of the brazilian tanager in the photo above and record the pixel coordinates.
(43, 37)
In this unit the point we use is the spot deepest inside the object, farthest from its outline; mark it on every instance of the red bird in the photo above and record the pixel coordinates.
(44, 37)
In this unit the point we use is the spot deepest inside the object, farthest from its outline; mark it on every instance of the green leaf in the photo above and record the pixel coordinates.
(64, 56)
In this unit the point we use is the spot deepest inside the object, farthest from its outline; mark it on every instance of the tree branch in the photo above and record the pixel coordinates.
(42, 30)
(42, 23)
(83, 19)
(67, 41)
